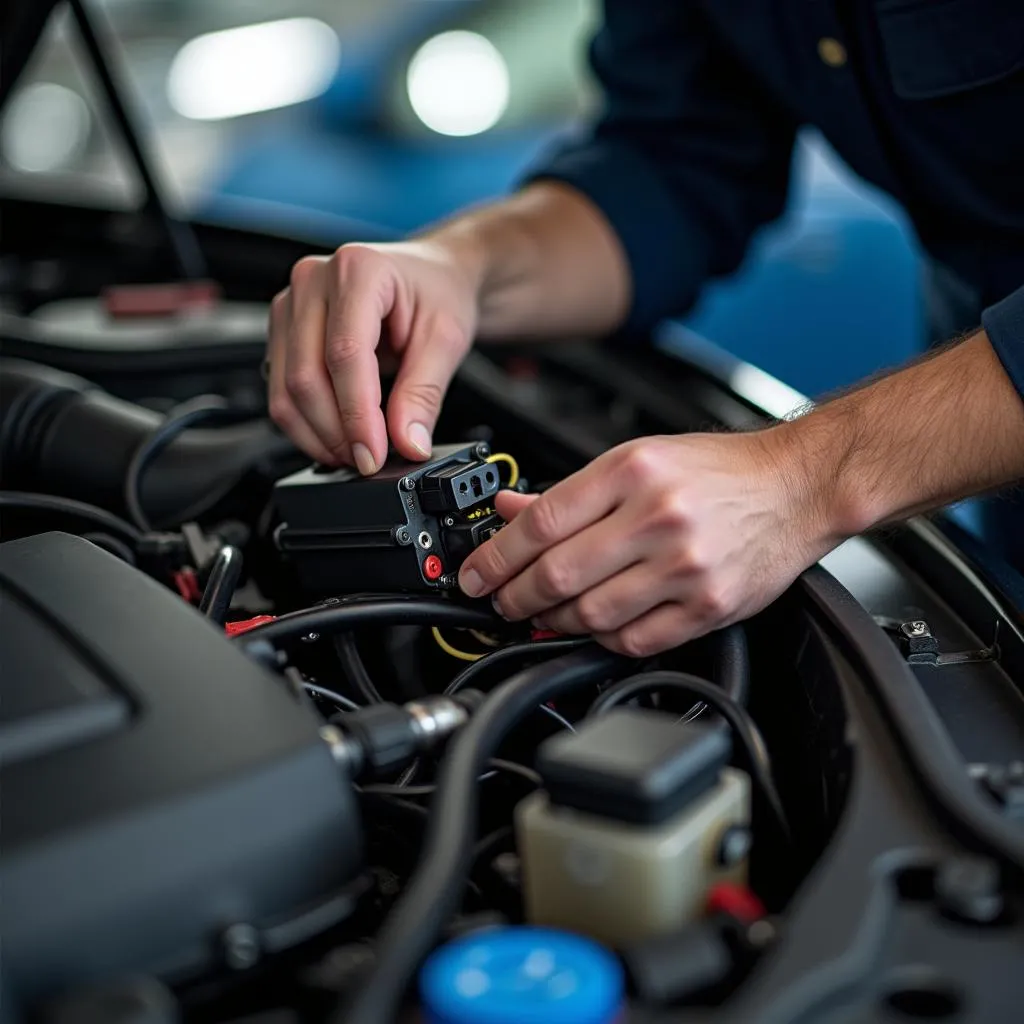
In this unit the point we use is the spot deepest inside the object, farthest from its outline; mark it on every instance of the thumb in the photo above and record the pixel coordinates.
(427, 368)
(508, 504)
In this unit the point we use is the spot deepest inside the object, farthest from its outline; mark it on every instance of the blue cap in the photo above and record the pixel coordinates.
(522, 975)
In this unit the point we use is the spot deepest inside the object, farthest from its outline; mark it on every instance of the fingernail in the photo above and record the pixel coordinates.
(420, 438)
(471, 583)
(365, 462)
(538, 623)
(496, 605)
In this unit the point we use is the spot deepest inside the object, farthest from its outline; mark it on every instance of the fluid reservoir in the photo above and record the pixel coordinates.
(639, 818)
(522, 975)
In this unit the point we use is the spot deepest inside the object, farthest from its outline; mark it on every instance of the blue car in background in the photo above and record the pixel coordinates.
(827, 295)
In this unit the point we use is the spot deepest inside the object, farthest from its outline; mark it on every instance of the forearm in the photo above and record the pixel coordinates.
(544, 262)
(942, 429)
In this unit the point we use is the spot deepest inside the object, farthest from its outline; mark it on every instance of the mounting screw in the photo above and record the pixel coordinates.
(425, 540)
(481, 451)
(916, 628)
(311, 638)
(969, 888)
(449, 520)
(734, 846)
(402, 535)
(241, 944)
(408, 484)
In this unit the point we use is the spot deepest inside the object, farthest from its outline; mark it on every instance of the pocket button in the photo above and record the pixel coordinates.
(832, 52)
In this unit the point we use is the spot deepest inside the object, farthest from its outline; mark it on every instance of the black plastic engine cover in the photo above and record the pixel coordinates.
(158, 786)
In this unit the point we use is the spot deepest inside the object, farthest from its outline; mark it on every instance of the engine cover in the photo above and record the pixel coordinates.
(159, 787)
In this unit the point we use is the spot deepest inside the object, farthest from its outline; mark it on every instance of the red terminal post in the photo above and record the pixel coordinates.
(433, 568)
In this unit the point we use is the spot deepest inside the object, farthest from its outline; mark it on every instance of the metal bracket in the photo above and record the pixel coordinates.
(920, 646)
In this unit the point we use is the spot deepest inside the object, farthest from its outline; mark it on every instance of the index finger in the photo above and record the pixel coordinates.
(570, 506)
(355, 313)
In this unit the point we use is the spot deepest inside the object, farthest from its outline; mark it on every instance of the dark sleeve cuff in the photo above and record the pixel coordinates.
(663, 247)
(1004, 325)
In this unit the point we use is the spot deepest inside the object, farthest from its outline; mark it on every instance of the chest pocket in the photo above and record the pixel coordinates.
(940, 47)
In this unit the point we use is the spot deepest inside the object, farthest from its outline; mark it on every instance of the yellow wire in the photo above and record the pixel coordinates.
(513, 466)
(484, 638)
(453, 651)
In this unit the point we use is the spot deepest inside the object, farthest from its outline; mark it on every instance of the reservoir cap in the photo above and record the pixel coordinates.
(522, 975)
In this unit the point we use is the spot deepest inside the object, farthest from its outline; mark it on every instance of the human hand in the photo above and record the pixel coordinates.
(655, 542)
(416, 300)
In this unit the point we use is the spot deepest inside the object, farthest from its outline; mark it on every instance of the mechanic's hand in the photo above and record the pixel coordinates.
(328, 328)
(654, 543)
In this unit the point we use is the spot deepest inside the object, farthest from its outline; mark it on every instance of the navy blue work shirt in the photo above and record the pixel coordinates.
(924, 98)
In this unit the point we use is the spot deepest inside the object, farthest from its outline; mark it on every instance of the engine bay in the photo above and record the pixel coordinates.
(273, 763)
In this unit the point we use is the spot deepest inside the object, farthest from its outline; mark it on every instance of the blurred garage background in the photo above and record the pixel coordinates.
(379, 116)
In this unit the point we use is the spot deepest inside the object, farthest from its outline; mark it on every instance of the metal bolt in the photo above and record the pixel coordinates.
(481, 451)
(241, 944)
(311, 638)
(408, 484)
(917, 628)
(449, 520)
(402, 535)
(425, 540)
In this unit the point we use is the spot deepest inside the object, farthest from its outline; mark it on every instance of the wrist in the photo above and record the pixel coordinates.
(810, 458)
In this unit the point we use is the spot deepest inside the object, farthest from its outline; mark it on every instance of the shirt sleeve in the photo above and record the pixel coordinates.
(689, 157)
(1004, 325)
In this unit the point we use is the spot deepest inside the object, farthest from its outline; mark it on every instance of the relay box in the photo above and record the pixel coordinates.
(406, 528)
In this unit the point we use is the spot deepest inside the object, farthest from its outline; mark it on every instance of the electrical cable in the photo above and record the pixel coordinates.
(106, 521)
(732, 663)
(204, 409)
(533, 648)
(336, 698)
(369, 611)
(436, 885)
(484, 638)
(453, 651)
(495, 766)
(220, 587)
(513, 466)
(354, 668)
(736, 715)
(513, 652)
(559, 718)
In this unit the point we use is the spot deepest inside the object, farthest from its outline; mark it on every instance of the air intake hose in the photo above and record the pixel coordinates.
(60, 434)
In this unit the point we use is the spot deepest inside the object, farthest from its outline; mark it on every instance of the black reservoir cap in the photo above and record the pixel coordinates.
(633, 765)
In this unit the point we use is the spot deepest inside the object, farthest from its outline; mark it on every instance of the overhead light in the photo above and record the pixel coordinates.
(46, 127)
(458, 83)
(251, 68)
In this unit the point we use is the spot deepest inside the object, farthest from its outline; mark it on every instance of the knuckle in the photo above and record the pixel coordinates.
(302, 383)
(640, 464)
(555, 578)
(339, 352)
(278, 302)
(282, 412)
(541, 521)
(593, 614)
(426, 395)
(491, 563)
(671, 511)
(632, 643)
(304, 271)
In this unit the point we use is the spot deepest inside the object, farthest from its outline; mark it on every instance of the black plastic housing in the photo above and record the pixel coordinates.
(633, 765)
(158, 785)
(346, 533)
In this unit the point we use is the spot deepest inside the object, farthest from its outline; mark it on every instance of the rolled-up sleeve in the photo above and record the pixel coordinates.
(689, 157)
(1004, 325)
